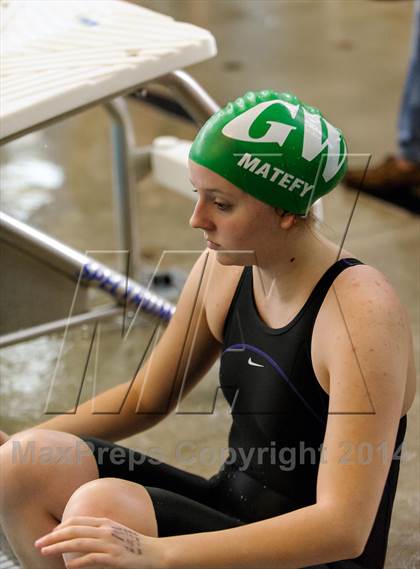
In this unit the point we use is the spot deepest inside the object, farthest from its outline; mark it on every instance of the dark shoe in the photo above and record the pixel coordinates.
(389, 182)
(386, 176)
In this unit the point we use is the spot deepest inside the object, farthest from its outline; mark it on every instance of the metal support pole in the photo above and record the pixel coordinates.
(123, 152)
(131, 163)
(189, 94)
(58, 325)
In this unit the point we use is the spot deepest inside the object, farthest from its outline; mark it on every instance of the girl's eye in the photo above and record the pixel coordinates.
(221, 206)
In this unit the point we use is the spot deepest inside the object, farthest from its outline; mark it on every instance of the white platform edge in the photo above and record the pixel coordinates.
(201, 45)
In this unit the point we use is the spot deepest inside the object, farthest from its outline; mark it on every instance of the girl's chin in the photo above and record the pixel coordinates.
(237, 258)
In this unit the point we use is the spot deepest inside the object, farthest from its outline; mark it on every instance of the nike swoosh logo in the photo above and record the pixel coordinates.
(251, 363)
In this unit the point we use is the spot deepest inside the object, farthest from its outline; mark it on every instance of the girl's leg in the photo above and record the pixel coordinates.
(39, 471)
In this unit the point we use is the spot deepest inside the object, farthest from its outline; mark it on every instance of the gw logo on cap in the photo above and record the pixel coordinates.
(278, 132)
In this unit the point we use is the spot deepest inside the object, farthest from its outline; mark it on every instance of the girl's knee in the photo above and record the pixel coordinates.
(102, 496)
(42, 462)
(119, 500)
(38, 449)
(21, 458)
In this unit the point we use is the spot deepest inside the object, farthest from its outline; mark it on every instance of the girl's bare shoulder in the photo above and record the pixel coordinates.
(219, 286)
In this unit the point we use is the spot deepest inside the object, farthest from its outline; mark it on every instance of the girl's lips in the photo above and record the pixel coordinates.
(212, 245)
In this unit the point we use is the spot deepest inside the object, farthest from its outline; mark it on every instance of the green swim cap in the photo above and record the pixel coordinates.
(274, 147)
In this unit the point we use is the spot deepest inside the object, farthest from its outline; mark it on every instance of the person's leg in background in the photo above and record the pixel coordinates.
(397, 179)
(409, 120)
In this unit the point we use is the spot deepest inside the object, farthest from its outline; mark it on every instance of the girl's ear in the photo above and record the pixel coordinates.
(287, 220)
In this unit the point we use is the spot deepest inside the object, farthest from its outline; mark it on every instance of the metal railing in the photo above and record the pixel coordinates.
(83, 271)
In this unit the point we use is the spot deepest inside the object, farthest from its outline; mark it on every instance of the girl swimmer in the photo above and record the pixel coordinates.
(315, 354)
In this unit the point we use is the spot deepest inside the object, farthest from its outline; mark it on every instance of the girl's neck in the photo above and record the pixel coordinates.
(291, 275)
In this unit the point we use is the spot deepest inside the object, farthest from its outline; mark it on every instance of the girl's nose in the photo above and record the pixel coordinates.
(199, 218)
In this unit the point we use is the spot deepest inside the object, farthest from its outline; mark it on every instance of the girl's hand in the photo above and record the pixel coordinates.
(99, 543)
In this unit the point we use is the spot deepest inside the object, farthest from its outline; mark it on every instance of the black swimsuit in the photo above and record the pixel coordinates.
(279, 415)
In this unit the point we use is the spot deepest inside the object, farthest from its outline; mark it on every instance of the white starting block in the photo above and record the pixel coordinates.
(169, 161)
(59, 57)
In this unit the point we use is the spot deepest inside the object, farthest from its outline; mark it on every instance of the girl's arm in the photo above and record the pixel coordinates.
(182, 356)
